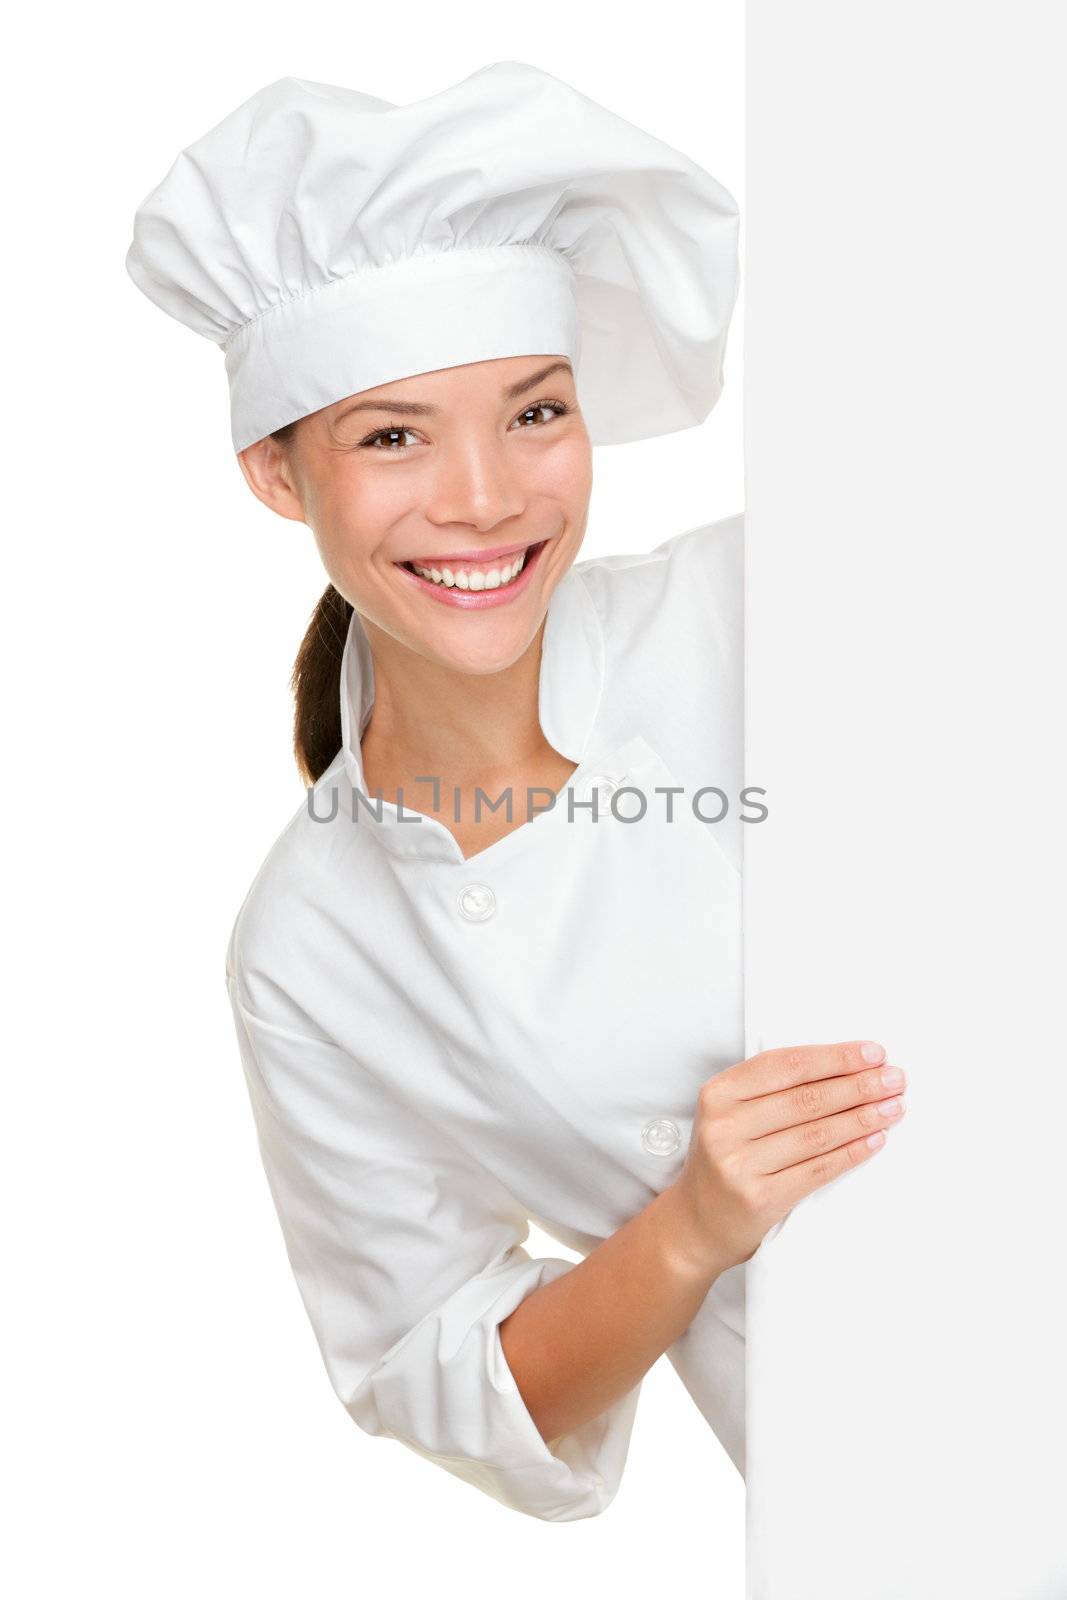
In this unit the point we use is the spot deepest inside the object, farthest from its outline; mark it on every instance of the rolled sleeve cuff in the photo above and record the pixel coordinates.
(446, 1391)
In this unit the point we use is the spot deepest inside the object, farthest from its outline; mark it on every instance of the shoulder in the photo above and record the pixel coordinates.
(673, 614)
(285, 914)
(672, 624)
(712, 548)
(694, 579)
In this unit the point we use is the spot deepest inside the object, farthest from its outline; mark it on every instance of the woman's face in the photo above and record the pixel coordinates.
(462, 473)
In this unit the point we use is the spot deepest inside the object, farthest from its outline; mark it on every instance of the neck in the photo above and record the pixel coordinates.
(437, 721)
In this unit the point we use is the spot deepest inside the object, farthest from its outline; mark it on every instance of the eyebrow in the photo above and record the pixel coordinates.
(415, 408)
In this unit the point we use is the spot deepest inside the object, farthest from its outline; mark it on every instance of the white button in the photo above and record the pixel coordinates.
(661, 1136)
(603, 784)
(477, 901)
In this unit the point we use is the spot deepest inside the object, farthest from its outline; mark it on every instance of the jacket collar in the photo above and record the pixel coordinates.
(570, 687)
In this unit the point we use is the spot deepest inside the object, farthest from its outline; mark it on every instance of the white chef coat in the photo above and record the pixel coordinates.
(439, 1050)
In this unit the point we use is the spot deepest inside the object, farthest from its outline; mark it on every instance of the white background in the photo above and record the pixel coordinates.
(905, 663)
(172, 1429)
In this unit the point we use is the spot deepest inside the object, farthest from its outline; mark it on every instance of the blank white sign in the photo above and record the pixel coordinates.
(906, 366)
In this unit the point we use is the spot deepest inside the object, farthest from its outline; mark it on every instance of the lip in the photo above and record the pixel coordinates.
(478, 599)
(455, 557)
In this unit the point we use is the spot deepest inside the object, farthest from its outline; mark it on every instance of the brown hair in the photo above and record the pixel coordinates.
(316, 676)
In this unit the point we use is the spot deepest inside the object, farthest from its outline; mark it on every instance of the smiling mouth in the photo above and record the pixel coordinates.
(476, 575)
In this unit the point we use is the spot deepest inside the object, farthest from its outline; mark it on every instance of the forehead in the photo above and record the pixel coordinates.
(423, 393)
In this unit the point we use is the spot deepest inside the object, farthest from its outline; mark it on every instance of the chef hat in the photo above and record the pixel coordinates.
(330, 242)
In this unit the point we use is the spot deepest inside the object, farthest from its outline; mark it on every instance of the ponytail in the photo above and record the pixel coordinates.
(316, 686)
(316, 677)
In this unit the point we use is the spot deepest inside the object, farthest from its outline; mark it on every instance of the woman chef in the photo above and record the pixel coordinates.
(491, 970)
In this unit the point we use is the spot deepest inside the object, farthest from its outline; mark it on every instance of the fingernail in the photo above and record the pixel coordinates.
(872, 1052)
(892, 1077)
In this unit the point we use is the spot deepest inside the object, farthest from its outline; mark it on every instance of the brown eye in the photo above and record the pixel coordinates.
(392, 438)
(528, 418)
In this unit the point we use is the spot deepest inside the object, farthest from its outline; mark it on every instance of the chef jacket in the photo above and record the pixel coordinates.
(440, 1050)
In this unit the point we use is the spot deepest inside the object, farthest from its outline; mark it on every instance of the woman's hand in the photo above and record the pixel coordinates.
(773, 1128)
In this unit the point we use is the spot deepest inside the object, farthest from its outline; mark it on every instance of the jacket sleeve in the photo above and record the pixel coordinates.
(408, 1255)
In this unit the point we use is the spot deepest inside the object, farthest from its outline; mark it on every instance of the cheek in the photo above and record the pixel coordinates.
(566, 472)
(356, 514)
(370, 494)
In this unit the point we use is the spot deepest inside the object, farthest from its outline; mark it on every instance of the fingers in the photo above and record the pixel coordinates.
(806, 1141)
(807, 1103)
(772, 1071)
(786, 1188)
(798, 1117)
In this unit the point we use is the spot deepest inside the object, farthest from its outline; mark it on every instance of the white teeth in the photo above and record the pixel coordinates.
(495, 578)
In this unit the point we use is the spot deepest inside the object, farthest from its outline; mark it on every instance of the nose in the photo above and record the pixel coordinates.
(474, 483)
